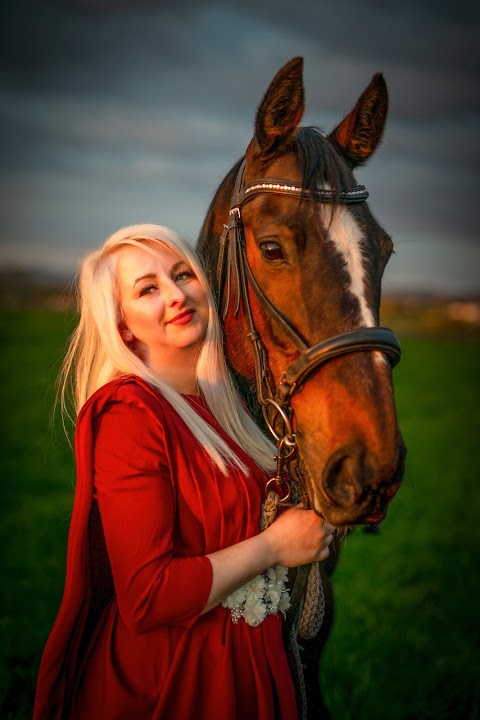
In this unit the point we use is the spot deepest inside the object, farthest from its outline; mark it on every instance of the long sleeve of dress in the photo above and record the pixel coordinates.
(135, 493)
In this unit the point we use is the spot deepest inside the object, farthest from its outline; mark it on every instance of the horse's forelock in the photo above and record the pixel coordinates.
(320, 163)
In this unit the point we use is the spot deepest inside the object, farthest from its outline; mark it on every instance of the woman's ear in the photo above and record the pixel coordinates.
(125, 333)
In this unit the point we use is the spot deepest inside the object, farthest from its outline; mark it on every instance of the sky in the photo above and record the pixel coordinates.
(114, 112)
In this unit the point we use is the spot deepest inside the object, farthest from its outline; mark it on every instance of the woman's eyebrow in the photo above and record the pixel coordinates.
(152, 275)
(145, 277)
(178, 265)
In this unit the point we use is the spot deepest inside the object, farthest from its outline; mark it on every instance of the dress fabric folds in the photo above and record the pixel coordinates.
(129, 641)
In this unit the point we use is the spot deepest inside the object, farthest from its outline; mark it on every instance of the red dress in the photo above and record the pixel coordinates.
(129, 642)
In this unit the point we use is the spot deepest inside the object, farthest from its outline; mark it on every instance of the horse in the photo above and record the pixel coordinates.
(296, 259)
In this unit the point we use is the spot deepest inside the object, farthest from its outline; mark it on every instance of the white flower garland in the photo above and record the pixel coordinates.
(264, 595)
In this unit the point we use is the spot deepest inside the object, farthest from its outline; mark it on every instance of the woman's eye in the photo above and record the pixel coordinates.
(147, 290)
(271, 251)
(183, 275)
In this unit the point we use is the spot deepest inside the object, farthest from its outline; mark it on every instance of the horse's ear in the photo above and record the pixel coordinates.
(361, 131)
(281, 108)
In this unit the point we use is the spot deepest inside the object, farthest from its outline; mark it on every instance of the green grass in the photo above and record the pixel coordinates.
(405, 640)
(36, 497)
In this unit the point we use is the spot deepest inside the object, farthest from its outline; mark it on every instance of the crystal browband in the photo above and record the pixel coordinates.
(357, 194)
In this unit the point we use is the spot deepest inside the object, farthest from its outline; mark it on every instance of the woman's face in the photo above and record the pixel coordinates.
(165, 309)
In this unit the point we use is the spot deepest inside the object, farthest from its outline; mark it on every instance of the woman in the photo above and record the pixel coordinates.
(173, 599)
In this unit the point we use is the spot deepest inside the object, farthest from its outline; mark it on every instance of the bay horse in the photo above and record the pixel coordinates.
(296, 258)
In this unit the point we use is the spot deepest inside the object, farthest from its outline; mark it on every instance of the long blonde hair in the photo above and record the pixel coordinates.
(97, 353)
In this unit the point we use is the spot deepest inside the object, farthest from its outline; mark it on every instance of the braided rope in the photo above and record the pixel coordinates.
(269, 510)
(313, 610)
(312, 613)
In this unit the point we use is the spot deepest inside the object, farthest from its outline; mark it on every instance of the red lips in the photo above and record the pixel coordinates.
(182, 318)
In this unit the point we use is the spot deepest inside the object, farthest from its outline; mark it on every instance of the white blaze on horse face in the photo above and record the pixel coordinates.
(346, 235)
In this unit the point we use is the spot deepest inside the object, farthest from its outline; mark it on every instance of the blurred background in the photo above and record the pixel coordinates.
(115, 112)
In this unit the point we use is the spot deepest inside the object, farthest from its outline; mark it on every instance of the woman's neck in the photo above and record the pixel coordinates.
(179, 370)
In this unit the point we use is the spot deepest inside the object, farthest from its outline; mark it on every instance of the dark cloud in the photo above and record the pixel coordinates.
(436, 36)
(431, 58)
(115, 110)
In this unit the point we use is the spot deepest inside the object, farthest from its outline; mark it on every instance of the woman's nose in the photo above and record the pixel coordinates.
(173, 293)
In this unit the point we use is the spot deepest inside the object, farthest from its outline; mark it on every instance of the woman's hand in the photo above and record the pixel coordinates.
(299, 536)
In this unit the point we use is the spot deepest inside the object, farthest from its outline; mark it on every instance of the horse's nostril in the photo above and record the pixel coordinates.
(348, 491)
(344, 477)
(353, 478)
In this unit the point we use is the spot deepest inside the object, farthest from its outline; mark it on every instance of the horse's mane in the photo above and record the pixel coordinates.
(224, 192)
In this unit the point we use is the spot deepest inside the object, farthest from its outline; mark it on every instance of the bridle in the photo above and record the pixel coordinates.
(233, 269)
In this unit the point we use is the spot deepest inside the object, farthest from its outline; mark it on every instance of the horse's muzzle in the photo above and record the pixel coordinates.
(354, 489)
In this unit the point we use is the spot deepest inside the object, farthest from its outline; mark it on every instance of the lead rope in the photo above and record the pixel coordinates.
(269, 512)
(312, 612)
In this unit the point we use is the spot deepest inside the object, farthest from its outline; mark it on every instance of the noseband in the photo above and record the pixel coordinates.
(234, 270)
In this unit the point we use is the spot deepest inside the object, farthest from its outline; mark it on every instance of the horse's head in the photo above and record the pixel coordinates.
(318, 260)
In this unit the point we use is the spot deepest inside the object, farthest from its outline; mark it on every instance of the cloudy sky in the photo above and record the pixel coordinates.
(121, 111)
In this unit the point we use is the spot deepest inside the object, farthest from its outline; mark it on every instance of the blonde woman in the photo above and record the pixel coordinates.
(173, 599)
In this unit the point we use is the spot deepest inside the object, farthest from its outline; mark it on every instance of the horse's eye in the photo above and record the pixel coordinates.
(271, 251)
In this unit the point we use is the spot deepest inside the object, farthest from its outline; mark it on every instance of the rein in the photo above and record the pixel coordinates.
(234, 270)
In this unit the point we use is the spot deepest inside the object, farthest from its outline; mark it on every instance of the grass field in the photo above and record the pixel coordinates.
(405, 644)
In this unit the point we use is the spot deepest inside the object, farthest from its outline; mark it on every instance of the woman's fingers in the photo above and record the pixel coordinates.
(327, 539)
(324, 553)
(325, 549)
(327, 528)
(300, 536)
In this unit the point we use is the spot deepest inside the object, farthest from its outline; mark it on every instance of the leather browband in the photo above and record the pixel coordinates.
(279, 186)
